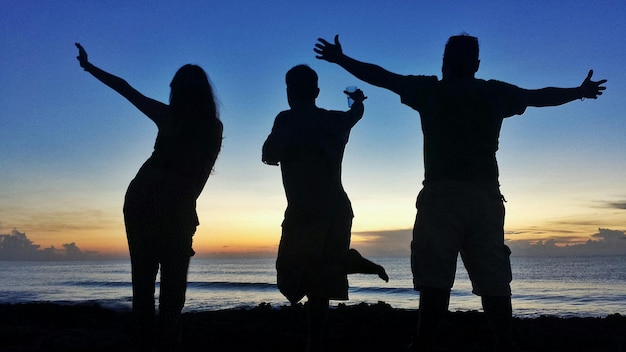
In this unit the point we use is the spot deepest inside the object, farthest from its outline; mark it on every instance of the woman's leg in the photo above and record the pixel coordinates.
(144, 268)
(172, 299)
(175, 250)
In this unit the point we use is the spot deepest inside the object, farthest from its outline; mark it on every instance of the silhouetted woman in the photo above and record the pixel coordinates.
(160, 203)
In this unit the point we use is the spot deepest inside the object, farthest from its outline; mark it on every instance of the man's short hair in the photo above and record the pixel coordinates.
(461, 55)
(302, 82)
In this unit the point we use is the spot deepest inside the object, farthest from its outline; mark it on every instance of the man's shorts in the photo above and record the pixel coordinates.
(457, 217)
(312, 259)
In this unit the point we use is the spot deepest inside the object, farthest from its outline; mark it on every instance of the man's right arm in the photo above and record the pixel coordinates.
(369, 73)
(273, 146)
(357, 109)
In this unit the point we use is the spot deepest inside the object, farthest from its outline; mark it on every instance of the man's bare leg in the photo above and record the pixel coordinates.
(359, 265)
(318, 310)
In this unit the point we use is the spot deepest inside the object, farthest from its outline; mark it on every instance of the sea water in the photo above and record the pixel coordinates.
(593, 286)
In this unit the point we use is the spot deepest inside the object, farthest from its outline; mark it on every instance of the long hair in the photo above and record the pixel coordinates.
(193, 107)
(191, 95)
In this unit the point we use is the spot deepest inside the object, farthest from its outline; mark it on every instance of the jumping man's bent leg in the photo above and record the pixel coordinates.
(359, 265)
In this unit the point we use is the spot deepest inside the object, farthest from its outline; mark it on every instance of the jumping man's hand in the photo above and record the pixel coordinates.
(82, 56)
(357, 95)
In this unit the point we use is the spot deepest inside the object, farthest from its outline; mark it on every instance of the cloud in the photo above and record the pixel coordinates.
(390, 243)
(533, 242)
(604, 242)
(619, 204)
(538, 232)
(616, 205)
(17, 246)
(610, 236)
(59, 220)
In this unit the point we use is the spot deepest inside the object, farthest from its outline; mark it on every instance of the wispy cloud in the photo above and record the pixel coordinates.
(383, 243)
(535, 231)
(71, 221)
(524, 242)
(57, 219)
(616, 205)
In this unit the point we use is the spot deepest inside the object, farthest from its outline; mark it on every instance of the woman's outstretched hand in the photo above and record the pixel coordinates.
(82, 56)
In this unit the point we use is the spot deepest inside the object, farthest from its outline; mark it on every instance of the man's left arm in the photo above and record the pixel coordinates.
(552, 96)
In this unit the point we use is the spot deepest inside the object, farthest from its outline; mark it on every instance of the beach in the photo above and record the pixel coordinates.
(359, 327)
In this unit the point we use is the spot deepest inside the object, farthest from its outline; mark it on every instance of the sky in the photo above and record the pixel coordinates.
(69, 145)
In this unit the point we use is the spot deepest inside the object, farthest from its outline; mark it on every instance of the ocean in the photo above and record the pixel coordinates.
(593, 286)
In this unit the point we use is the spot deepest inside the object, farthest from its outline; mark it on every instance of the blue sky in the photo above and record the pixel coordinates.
(70, 145)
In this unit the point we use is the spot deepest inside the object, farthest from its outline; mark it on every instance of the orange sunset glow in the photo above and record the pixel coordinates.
(71, 146)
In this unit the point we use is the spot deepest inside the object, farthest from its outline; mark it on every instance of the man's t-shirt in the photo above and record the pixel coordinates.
(461, 120)
(309, 144)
